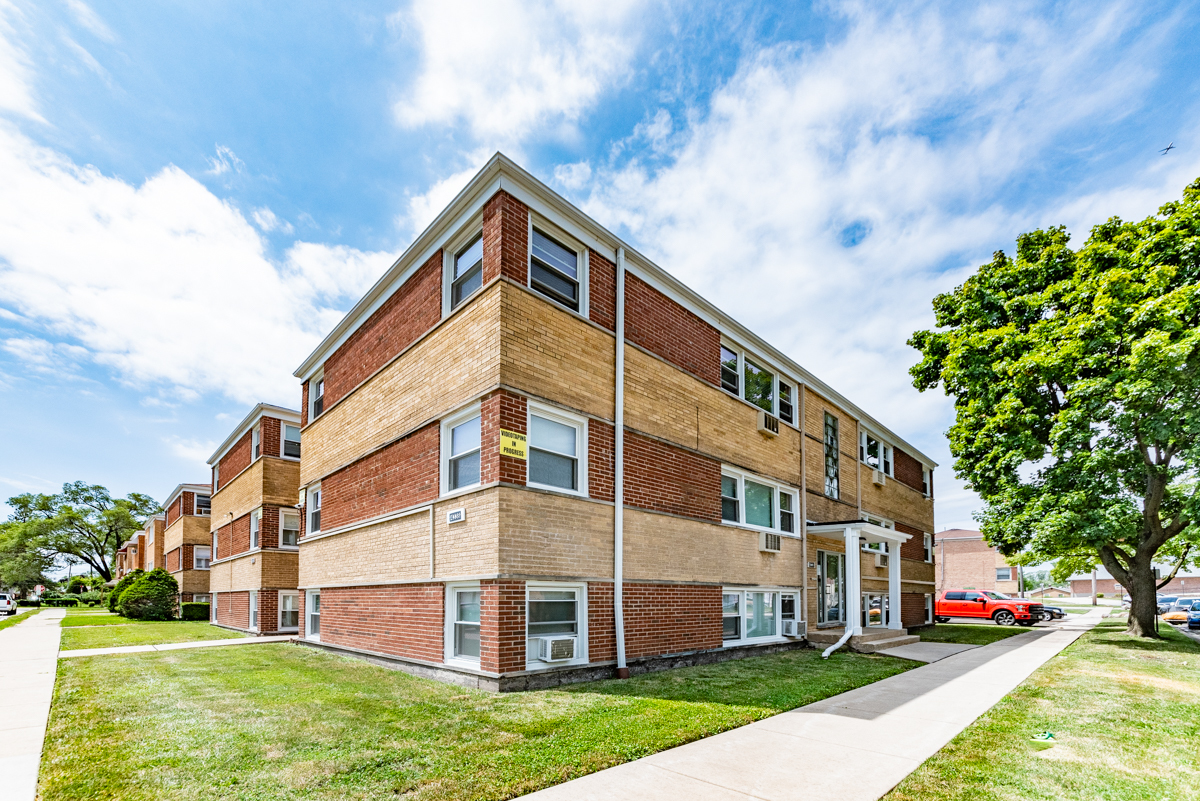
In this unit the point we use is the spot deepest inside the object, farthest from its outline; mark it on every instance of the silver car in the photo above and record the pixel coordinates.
(8, 604)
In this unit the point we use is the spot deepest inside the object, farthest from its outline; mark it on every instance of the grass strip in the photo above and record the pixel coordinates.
(968, 633)
(136, 632)
(17, 618)
(285, 721)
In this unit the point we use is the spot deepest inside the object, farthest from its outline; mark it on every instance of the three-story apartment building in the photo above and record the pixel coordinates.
(533, 456)
(255, 523)
(185, 541)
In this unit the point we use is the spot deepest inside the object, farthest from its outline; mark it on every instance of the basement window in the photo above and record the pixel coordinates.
(554, 270)
(468, 272)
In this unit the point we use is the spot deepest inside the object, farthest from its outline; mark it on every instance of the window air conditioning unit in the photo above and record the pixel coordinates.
(881, 560)
(768, 424)
(794, 628)
(878, 478)
(768, 542)
(556, 649)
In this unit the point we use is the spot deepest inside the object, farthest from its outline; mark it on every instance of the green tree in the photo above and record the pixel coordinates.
(1076, 384)
(83, 521)
(114, 597)
(23, 565)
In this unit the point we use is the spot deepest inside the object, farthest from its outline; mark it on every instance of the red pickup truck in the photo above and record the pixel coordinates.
(995, 606)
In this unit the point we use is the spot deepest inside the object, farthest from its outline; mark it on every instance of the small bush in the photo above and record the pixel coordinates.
(150, 597)
(193, 611)
(114, 597)
(60, 601)
(29, 603)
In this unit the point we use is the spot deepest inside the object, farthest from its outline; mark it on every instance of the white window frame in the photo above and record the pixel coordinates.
(252, 612)
(580, 424)
(882, 522)
(926, 481)
(448, 424)
(928, 608)
(283, 426)
(196, 505)
(450, 618)
(581, 621)
(319, 378)
(256, 528)
(256, 450)
(308, 605)
(216, 473)
(279, 610)
(216, 535)
(570, 242)
(453, 245)
(313, 491)
(928, 545)
(777, 488)
(206, 596)
(778, 592)
(887, 453)
(777, 376)
(195, 559)
(295, 514)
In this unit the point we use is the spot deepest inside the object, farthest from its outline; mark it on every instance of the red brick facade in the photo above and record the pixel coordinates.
(401, 620)
(664, 478)
(507, 411)
(235, 461)
(502, 626)
(912, 609)
(602, 291)
(505, 239)
(601, 461)
(663, 327)
(659, 619)
(402, 474)
(411, 311)
(907, 470)
(269, 432)
(915, 547)
(172, 561)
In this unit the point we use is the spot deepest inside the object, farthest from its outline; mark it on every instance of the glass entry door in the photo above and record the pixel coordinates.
(831, 583)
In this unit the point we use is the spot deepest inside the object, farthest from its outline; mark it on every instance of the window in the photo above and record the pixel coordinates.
(201, 599)
(928, 547)
(558, 611)
(1004, 574)
(928, 608)
(956, 596)
(468, 272)
(751, 501)
(201, 557)
(831, 455)
(464, 614)
(926, 481)
(461, 440)
(289, 610)
(291, 441)
(255, 525)
(760, 386)
(289, 530)
(729, 371)
(313, 615)
(318, 397)
(203, 504)
(554, 270)
(314, 509)
(786, 411)
(875, 452)
(253, 610)
(214, 546)
(217, 476)
(555, 443)
(754, 614)
(255, 443)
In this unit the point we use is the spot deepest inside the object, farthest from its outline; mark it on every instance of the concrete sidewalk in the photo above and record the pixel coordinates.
(171, 646)
(28, 661)
(853, 747)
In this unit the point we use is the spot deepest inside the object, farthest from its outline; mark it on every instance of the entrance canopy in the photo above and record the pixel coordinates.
(867, 532)
(857, 532)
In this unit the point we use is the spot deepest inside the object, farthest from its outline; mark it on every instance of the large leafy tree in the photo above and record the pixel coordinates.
(1076, 382)
(23, 565)
(83, 521)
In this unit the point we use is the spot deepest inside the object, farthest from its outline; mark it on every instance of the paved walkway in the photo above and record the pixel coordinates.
(173, 646)
(28, 660)
(926, 652)
(853, 747)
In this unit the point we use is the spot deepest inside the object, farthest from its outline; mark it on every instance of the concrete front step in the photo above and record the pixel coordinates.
(882, 645)
(830, 636)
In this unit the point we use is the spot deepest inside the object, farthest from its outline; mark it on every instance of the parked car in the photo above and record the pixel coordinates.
(8, 603)
(1006, 611)
(1050, 613)
(1178, 613)
(1164, 603)
(1193, 619)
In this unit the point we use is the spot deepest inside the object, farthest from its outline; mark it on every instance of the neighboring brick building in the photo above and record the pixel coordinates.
(466, 438)
(255, 525)
(1186, 582)
(186, 549)
(152, 539)
(965, 561)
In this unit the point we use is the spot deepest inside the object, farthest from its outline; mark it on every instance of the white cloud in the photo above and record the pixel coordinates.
(265, 219)
(573, 176)
(506, 66)
(165, 283)
(194, 451)
(60, 359)
(16, 96)
(225, 161)
(894, 139)
(89, 19)
(423, 208)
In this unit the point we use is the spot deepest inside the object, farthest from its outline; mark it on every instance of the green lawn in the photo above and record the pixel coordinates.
(6, 621)
(137, 632)
(1124, 714)
(967, 633)
(284, 721)
(93, 617)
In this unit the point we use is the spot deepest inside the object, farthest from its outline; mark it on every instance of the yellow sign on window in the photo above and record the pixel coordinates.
(513, 444)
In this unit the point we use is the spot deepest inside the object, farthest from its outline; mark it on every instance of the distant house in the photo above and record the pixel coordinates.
(1185, 581)
(965, 561)
(186, 541)
(1050, 592)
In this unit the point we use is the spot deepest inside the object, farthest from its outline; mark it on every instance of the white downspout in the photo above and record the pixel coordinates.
(852, 593)
(619, 473)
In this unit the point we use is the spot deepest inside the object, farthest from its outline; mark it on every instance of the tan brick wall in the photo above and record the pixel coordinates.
(281, 482)
(192, 581)
(268, 480)
(187, 530)
(815, 408)
(274, 569)
(469, 548)
(465, 355)
(553, 354)
(554, 535)
(896, 501)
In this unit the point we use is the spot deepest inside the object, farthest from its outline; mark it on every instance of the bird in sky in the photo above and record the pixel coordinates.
(1167, 149)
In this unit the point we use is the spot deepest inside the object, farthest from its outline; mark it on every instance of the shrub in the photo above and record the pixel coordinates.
(193, 611)
(60, 601)
(114, 597)
(29, 603)
(150, 597)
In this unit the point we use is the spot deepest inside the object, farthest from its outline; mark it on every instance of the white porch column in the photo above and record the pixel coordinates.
(894, 585)
(853, 584)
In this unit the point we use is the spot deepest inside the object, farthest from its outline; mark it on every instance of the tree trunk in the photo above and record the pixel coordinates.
(1143, 599)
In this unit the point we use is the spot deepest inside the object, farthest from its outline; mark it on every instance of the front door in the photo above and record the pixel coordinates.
(831, 584)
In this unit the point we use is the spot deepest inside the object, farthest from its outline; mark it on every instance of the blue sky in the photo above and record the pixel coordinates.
(192, 194)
